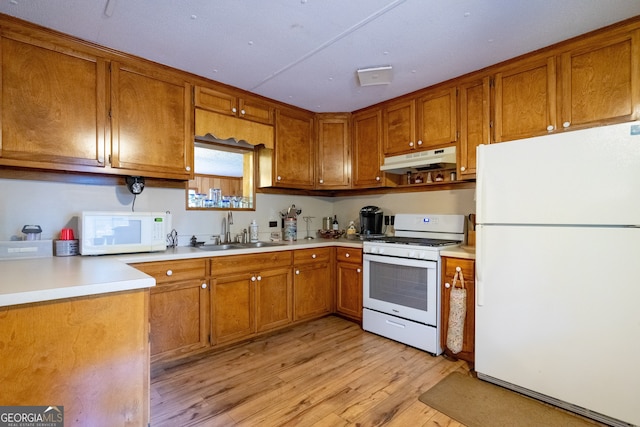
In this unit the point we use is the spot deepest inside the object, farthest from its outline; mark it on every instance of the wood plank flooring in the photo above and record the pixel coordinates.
(327, 372)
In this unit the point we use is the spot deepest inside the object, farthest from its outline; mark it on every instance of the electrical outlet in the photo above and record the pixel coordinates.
(273, 223)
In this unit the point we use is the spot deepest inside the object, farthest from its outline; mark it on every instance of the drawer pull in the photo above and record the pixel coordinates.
(347, 255)
(204, 286)
(313, 256)
(169, 273)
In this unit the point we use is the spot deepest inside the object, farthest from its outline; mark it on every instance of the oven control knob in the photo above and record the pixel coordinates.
(413, 254)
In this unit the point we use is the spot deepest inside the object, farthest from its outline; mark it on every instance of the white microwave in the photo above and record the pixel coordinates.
(103, 233)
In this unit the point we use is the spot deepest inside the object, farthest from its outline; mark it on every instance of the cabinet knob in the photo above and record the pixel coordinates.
(321, 181)
(419, 142)
(458, 269)
(188, 168)
(377, 178)
(550, 128)
(278, 178)
(242, 112)
(462, 168)
(297, 271)
(447, 285)
(347, 255)
(566, 124)
(234, 110)
(259, 278)
(313, 256)
(411, 144)
(169, 273)
(204, 286)
(253, 278)
(358, 270)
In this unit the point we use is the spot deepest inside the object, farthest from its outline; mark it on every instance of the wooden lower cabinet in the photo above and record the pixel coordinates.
(349, 283)
(312, 283)
(249, 294)
(88, 354)
(179, 307)
(467, 266)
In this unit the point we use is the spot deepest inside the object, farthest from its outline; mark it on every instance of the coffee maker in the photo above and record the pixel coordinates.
(370, 221)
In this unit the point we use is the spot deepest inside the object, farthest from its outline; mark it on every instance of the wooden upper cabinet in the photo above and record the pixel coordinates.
(600, 81)
(399, 127)
(151, 118)
(232, 105)
(436, 121)
(474, 124)
(54, 106)
(333, 157)
(367, 149)
(525, 100)
(294, 161)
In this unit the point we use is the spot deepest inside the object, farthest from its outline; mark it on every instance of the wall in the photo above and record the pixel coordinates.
(54, 205)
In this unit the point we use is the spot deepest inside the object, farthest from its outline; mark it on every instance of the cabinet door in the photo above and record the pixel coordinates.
(54, 106)
(151, 124)
(399, 127)
(232, 307)
(333, 161)
(367, 150)
(525, 99)
(273, 298)
(600, 82)
(349, 290)
(294, 153)
(437, 124)
(312, 296)
(179, 317)
(474, 124)
(231, 105)
(467, 267)
(256, 110)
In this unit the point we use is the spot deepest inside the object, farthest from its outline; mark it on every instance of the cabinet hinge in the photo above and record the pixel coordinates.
(492, 82)
(490, 124)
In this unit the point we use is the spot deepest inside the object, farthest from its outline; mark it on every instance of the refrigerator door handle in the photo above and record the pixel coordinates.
(479, 273)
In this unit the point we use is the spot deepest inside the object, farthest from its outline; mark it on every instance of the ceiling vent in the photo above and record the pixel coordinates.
(375, 76)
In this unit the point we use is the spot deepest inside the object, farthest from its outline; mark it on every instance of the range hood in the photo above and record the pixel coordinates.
(440, 158)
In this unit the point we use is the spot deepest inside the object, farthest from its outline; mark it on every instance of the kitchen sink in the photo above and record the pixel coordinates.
(249, 245)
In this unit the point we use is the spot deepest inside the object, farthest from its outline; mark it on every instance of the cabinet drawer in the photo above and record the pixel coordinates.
(353, 255)
(246, 263)
(173, 271)
(306, 256)
(450, 265)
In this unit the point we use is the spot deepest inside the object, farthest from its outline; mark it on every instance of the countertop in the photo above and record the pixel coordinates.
(43, 279)
(468, 252)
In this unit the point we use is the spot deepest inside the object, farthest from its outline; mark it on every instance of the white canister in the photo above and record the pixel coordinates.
(253, 231)
(290, 230)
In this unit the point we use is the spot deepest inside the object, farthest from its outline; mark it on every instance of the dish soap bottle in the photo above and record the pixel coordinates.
(253, 231)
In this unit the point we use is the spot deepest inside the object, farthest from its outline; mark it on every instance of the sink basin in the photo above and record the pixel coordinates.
(259, 244)
(228, 246)
(220, 247)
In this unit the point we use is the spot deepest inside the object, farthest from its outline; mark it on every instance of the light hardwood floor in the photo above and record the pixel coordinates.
(327, 372)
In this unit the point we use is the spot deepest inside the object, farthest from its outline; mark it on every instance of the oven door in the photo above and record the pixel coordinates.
(401, 287)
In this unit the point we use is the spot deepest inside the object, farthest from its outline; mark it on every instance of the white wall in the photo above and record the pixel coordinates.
(54, 205)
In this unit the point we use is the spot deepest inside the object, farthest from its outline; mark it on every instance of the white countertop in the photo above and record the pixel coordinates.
(43, 279)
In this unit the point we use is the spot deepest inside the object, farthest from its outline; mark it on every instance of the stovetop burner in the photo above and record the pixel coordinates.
(416, 241)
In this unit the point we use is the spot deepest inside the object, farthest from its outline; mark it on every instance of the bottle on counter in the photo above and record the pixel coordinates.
(253, 231)
(335, 226)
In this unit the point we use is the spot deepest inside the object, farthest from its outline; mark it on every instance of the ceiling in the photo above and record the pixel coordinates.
(306, 52)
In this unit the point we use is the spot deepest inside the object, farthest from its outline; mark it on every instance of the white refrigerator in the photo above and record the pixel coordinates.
(558, 269)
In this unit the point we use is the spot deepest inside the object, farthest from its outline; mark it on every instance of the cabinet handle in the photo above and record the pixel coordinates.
(358, 270)
(419, 142)
(234, 110)
(462, 168)
(550, 128)
(297, 271)
(566, 124)
(458, 269)
(188, 168)
(253, 278)
(447, 285)
(411, 144)
(347, 255)
(204, 286)
(259, 278)
(169, 273)
(321, 181)
(278, 178)
(377, 178)
(313, 256)
(242, 112)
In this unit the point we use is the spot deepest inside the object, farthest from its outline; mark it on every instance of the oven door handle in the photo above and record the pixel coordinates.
(396, 324)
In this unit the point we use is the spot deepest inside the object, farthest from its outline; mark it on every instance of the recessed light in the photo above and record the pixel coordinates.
(250, 43)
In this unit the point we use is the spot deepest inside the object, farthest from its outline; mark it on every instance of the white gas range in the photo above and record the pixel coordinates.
(401, 279)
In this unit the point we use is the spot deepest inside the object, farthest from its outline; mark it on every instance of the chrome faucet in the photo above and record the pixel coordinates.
(223, 231)
(229, 223)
